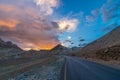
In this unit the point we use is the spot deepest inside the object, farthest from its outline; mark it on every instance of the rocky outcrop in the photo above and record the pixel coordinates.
(110, 53)
(8, 44)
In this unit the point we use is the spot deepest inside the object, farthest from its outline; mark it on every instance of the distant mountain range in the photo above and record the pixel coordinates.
(8, 44)
(9, 50)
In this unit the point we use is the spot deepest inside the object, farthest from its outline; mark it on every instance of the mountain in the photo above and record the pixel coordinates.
(8, 44)
(58, 49)
(106, 45)
(8, 49)
(109, 40)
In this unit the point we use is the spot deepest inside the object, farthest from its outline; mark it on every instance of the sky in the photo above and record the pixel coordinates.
(42, 24)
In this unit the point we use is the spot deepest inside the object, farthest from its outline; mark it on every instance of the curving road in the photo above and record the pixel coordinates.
(80, 69)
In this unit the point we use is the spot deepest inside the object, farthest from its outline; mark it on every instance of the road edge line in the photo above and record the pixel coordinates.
(65, 72)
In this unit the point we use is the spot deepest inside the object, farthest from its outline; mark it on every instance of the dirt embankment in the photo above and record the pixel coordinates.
(17, 69)
(108, 56)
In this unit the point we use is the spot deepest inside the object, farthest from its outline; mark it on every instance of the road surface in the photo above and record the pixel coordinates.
(81, 69)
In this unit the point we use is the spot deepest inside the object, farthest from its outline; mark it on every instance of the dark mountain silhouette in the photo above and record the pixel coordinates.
(9, 50)
(58, 49)
(59, 46)
(8, 44)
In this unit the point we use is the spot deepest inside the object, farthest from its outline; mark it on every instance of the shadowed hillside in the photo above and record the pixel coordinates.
(109, 40)
(8, 44)
(58, 49)
(107, 47)
(9, 50)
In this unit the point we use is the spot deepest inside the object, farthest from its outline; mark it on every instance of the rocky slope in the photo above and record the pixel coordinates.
(109, 40)
(58, 49)
(105, 48)
(9, 50)
(7, 44)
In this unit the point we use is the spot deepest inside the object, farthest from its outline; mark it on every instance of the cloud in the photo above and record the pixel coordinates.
(110, 10)
(27, 27)
(32, 35)
(47, 6)
(95, 12)
(67, 24)
(91, 19)
(10, 23)
(87, 20)
(7, 8)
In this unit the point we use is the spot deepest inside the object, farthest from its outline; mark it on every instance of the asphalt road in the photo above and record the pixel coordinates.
(81, 69)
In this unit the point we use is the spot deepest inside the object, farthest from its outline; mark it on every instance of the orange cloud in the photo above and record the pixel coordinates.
(11, 24)
(7, 8)
(28, 28)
